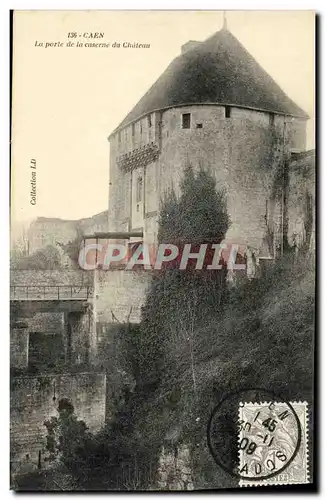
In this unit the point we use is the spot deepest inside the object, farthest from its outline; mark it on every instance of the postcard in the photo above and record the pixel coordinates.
(163, 240)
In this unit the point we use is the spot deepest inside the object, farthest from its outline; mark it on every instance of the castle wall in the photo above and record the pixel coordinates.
(125, 212)
(50, 231)
(138, 134)
(120, 295)
(119, 210)
(244, 152)
(119, 298)
(98, 223)
(43, 232)
(301, 202)
(297, 134)
(260, 117)
(240, 153)
(35, 399)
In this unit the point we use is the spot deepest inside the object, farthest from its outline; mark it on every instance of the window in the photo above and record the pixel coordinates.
(149, 121)
(271, 119)
(266, 211)
(186, 120)
(227, 111)
(133, 129)
(199, 125)
(139, 190)
(140, 128)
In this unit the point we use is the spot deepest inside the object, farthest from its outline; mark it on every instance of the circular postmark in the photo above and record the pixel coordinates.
(254, 434)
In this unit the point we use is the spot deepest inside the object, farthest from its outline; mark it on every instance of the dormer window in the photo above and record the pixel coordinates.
(186, 120)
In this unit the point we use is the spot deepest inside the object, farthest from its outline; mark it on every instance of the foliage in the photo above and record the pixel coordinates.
(199, 215)
(111, 460)
(176, 305)
(180, 299)
(72, 248)
(202, 209)
(68, 438)
(46, 258)
(262, 337)
(197, 342)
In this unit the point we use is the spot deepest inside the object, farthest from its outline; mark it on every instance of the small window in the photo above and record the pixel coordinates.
(140, 128)
(133, 129)
(227, 111)
(149, 121)
(139, 190)
(199, 125)
(186, 120)
(271, 118)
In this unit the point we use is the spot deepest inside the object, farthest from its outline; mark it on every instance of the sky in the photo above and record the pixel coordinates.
(67, 100)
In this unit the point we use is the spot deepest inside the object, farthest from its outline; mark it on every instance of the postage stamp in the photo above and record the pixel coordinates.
(273, 443)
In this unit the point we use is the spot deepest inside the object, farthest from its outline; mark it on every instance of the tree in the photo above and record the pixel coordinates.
(45, 258)
(18, 247)
(180, 299)
(72, 248)
(202, 209)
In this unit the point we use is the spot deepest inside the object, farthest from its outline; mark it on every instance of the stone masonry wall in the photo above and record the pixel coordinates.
(243, 151)
(120, 295)
(239, 151)
(52, 322)
(34, 277)
(46, 231)
(301, 201)
(32, 402)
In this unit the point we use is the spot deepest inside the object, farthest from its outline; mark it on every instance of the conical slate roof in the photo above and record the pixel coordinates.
(219, 70)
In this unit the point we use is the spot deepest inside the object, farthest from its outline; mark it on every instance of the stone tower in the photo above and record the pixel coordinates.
(213, 106)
